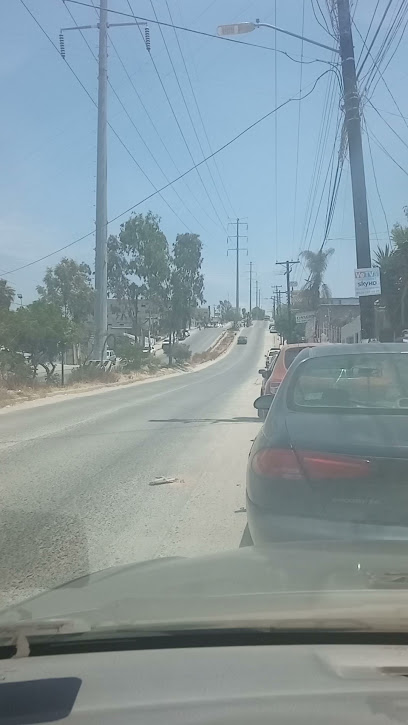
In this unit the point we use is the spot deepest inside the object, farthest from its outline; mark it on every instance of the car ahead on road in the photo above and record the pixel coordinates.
(242, 340)
(286, 356)
(331, 460)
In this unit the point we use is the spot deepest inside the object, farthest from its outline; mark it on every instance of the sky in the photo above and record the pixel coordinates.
(265, 178)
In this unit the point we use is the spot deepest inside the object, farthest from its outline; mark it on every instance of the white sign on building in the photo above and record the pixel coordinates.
(302, 317)
(367, 282)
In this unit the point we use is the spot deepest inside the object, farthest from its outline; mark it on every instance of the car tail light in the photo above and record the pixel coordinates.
(276, 463)
(287, 464)
(273, 388)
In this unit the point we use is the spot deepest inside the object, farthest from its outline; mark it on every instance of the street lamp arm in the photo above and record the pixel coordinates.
(295, 35)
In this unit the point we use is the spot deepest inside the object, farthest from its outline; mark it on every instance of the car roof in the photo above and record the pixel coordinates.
(301, 345)
(328, 349)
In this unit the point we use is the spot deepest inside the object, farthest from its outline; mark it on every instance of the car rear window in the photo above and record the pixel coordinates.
(378, 381)
(291, 353)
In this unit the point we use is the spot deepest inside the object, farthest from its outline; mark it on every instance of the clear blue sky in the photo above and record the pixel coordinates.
(48, 138)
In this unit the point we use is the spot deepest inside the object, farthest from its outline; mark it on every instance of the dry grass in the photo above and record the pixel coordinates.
(41, 390)
(222, 346)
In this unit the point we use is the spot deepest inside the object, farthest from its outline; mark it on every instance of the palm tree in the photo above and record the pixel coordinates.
(6, 295)
(316, 264)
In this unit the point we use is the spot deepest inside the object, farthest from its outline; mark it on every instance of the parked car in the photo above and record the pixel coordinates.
(272, 352)
(242, 340)
(266, 372)
(111, 356)
(331, 460)
(286, 356)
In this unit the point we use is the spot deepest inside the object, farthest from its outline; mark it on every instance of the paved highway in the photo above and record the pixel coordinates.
(76, 474)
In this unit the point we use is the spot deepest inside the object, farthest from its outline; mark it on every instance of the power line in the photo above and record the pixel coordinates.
(191, 120)
(199, 32)
(150, 119)
(374, 38)
(298, 130)
(388, 124)
(178, 126)
(134, 126)
(383, 80)
(367, 33)
(376, 184)
(199, 113)
(166, 186)
(384, 150)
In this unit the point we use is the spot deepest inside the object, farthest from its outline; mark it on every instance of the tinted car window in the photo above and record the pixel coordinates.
(290, 355)
(377, 381)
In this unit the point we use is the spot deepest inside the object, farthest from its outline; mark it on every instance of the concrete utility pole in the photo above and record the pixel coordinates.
(358, 185)
(101, 221)
(237, 249)
(250, 287)
(101, 236)
(288, 266)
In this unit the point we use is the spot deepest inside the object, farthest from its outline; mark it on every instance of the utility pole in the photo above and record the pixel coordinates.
(101, 217)
(101, 235)
(256, 293)
(276, 298)
(237, 249)
(288, 266)
(358, 185)
(250, 288)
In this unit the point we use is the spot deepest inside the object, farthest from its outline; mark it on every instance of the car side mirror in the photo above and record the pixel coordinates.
(262, 371)
(264, 402)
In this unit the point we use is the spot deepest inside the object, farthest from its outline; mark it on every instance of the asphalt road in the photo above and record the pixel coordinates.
(76, 474)
(201, 340)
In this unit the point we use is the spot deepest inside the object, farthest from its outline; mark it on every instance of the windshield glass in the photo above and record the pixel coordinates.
(178, 223)
(353, 381)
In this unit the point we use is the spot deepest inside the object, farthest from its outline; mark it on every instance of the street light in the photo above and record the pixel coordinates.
(240, 28)
(20, 297)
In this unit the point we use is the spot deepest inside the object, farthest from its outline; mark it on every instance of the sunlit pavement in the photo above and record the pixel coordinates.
(80, 483)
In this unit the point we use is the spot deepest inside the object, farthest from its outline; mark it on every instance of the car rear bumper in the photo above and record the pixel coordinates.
(267, 527)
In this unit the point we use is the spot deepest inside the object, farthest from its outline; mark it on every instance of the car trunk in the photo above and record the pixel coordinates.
(356, 465)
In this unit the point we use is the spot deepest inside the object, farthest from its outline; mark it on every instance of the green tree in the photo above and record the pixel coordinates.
(68, 286)
(288, 330)
(393, 263)
(7, 294)
(40, 331)
(138, 263)
(315, 288)
(258, 313)
(187, 280)
(226, 310)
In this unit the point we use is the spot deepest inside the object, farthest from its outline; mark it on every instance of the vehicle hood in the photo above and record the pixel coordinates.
(283, 583)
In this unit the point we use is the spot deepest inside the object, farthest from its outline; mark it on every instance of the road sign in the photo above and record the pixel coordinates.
(302, 317)
(367, 282)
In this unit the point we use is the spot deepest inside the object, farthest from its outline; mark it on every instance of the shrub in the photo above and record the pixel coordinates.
(180, 352)
(131, 355)
(93, 373)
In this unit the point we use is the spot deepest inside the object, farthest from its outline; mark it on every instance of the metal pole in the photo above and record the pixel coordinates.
(256, 293)
(237, 279)
(250, 287)
(288, 291)
(358, 185)
(101, 189)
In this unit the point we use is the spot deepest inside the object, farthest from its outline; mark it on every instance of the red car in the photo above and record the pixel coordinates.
(284, 359)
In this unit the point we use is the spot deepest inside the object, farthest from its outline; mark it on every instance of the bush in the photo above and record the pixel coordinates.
(15, 370)
(180, 352)
(93, 374)
(131, 356)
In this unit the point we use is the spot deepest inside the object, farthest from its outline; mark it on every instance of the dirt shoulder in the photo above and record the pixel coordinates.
(41, 394)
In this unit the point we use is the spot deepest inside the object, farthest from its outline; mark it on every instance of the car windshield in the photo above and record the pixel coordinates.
(377, 381)
(193, 192)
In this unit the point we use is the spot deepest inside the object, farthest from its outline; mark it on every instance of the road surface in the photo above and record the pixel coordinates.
(201, 340)
(76, 474)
